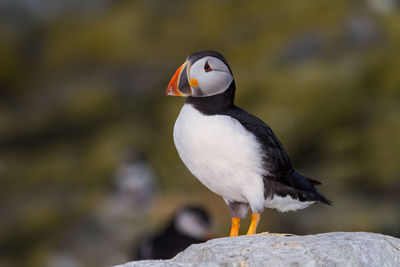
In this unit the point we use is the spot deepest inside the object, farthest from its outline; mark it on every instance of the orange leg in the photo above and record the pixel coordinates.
(255, 218)
(235, 227)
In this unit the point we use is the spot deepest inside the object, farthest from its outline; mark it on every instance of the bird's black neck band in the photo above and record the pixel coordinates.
(214, 104)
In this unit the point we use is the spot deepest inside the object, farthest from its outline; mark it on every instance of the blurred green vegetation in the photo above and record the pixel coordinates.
(80, 87)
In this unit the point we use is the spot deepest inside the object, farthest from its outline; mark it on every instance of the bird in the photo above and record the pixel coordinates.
(190, 225)
(230, 151)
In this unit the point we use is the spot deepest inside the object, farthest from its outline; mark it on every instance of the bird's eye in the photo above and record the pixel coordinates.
(207, 67)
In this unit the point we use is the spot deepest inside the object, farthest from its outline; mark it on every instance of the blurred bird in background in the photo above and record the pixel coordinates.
(189, 225)
(135, 184)
(117, 219)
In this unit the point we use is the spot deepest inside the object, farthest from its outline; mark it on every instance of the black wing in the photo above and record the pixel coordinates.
(281, 178)
(275, 161)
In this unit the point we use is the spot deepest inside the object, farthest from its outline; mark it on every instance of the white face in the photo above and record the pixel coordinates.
(191, 224)
(213, 77)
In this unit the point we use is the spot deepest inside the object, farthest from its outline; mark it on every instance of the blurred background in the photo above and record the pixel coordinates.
(87, 162)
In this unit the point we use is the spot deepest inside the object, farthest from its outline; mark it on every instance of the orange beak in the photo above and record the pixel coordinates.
(179, 84)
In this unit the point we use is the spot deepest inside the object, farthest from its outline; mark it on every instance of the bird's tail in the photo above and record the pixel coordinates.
(313, 183)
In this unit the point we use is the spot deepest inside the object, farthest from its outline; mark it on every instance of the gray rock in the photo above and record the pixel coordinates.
(329, 249)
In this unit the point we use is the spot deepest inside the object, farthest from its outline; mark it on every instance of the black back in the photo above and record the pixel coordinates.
(166, 245)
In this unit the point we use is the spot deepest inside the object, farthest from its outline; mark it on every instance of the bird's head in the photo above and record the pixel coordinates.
(193, 221)
(204, 73)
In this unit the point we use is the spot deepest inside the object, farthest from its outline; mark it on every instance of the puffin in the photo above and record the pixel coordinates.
(190, 225)
(230, 151)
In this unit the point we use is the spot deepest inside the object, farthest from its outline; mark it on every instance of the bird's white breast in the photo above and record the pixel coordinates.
(221, 153)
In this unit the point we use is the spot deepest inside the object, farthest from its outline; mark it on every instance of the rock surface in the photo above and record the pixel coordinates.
(329, 249)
